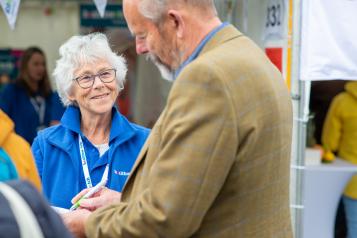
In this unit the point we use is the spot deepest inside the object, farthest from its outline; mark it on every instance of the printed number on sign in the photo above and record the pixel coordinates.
(274, 15)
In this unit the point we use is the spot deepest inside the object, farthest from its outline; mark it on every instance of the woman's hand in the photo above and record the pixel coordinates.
(103, 197)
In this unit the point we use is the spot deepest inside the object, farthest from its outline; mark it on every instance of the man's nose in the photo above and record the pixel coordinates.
(141, 47)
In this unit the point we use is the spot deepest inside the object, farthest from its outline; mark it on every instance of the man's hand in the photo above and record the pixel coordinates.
(75, 221)
(102, 198)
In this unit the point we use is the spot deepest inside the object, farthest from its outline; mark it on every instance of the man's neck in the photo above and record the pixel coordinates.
(198, 33)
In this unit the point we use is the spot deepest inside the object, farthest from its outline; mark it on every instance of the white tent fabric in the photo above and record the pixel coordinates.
(329, 40)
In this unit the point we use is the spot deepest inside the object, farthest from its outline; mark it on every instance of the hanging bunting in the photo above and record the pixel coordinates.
(101, 5)
(10, 8)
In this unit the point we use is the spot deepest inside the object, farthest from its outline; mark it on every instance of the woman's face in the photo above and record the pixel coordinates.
(36, 67)
(98, 99)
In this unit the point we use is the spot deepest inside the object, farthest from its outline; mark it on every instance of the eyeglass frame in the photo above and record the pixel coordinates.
(94, 76)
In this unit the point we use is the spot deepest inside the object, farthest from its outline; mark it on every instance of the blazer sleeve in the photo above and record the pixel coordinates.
(332, 128)
(197, 150)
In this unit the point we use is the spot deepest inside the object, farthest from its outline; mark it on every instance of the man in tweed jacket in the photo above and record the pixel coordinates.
(216, 163)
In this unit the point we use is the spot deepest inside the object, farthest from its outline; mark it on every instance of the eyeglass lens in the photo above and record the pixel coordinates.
(87, 81)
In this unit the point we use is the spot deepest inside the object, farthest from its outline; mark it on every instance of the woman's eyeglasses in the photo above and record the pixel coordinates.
(87, 80)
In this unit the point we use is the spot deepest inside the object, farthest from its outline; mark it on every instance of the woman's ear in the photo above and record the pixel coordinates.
(71, 94)
(176, 21)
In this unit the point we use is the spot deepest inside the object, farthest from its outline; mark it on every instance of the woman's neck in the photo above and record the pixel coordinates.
(96, 127)
(33, 85)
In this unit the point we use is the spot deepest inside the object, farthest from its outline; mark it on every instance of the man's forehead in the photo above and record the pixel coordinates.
(130, 5)
(132, 15)
(137, 23)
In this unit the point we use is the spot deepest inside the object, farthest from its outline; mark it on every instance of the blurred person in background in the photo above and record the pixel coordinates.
(340, 136)
(15, 148)
(92, 137)
(322, 94)
(29, 101)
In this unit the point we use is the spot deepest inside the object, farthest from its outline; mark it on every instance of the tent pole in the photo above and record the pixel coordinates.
(300, 91)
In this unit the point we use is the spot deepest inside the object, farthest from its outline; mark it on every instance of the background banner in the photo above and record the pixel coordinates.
(328, 40)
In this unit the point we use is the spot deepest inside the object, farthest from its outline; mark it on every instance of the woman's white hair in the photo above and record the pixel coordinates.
(155, 9)
(81, 50)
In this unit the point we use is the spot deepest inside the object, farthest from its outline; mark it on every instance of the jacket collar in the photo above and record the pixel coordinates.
(200, 46)
(121, 130)
(226, 34)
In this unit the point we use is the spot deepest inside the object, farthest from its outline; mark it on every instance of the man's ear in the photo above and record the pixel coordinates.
(176, 21)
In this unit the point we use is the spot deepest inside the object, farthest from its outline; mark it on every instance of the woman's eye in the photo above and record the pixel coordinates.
(105, 74)
(86, 78)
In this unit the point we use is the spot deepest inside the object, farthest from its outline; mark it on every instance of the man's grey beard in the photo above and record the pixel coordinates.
(165, 72)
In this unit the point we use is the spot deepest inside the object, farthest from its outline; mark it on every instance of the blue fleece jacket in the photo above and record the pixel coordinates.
(56, 151)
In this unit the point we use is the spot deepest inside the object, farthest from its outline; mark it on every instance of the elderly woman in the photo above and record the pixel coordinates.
(93, 137)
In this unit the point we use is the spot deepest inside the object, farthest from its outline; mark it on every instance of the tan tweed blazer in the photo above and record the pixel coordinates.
(216, 163)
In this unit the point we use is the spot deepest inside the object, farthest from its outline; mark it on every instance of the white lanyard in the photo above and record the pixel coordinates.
(85, 165)
(39, 104)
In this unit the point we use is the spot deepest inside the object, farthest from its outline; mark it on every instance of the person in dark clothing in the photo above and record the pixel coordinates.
(49, 221)
(29, 101)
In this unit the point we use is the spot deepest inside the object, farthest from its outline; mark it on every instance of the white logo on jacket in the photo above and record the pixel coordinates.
(121, 173)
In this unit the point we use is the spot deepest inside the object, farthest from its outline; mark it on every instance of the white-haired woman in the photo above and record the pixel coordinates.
(93, 137)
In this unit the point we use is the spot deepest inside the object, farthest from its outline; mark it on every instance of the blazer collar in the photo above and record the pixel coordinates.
(226, 34)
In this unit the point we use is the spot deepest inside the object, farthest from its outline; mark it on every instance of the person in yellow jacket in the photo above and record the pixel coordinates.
(340, 136)
(18, 150)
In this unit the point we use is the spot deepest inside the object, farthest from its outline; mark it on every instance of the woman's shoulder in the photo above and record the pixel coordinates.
(130, 126)
(12, 88)
(51, 132)
(140, 132)
(12, 98)
(140, 129)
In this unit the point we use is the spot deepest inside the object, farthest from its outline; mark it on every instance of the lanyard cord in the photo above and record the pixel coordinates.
(39, 104)
(85, 165)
